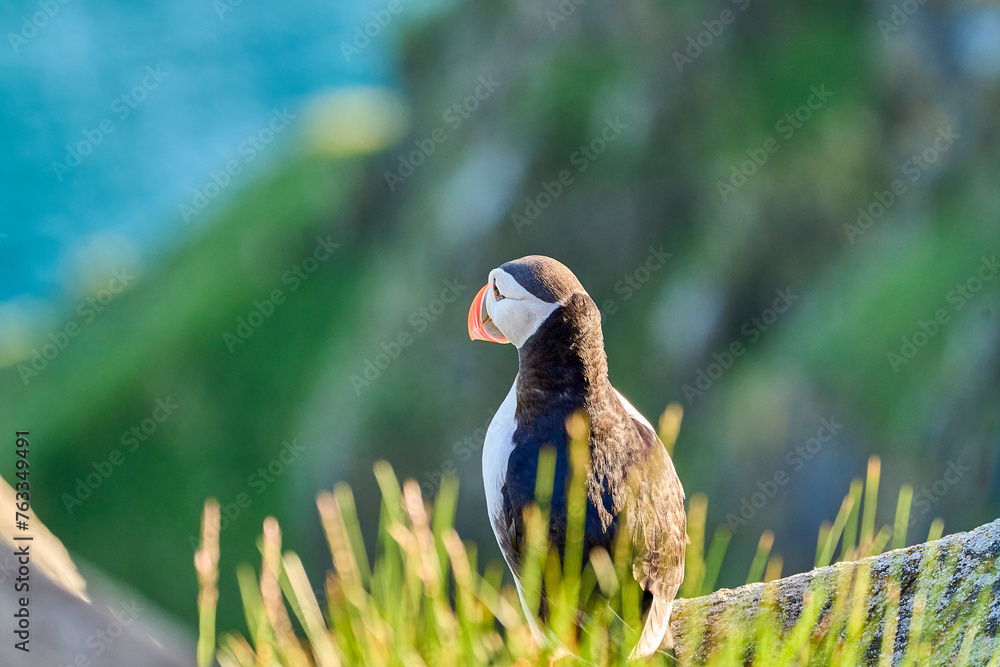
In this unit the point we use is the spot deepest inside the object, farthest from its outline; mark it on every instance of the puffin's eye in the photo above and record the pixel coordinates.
(496, 292)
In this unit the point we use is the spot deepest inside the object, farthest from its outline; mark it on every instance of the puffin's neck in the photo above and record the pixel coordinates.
(563, 363)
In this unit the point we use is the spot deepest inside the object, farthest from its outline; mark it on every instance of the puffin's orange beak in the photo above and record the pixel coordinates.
(481, 327)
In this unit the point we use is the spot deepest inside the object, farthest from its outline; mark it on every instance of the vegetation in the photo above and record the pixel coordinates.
(424, 600)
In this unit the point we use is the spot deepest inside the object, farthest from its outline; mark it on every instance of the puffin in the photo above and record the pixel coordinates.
(537, 304)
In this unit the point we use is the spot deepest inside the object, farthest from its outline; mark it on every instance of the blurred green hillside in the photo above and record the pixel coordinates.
(569, 131)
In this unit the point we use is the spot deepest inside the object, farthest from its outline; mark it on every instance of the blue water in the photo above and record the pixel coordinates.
(197, 76)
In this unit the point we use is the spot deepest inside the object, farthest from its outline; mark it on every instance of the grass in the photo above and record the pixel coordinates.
(426, 601)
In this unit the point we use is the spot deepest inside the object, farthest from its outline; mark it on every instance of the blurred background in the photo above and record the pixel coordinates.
(239, 242)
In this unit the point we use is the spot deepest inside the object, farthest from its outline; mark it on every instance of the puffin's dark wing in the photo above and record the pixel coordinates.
(655, 517)
(651, 501)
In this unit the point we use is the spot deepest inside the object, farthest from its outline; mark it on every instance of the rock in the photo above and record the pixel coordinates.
(955, 596)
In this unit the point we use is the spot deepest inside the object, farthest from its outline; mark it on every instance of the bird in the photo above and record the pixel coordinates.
(537, 304)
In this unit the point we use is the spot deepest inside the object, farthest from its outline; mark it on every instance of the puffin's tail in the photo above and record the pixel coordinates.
(656, 631)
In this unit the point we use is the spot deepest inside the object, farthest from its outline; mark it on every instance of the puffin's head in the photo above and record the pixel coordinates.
(518, 297)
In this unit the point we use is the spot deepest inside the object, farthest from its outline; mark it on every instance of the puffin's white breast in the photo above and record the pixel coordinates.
(497, 447)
